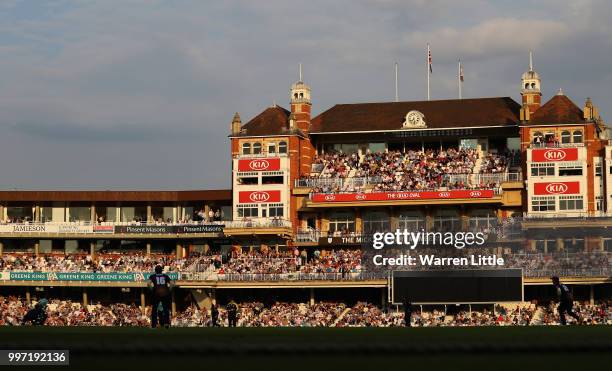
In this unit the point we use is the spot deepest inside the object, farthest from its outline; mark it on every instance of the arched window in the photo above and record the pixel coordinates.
(271, 147)
(246, 148)
(527, 86)
(537, 137)
(566, 136)
(256, 148)
(533, 85)
(295, 95)
(578, 136)
(282, 147)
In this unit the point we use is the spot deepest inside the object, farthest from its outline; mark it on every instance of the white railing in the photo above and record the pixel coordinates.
(258, 223)
(569, 215)
(555, 145)
(360, 182)
(261, 155)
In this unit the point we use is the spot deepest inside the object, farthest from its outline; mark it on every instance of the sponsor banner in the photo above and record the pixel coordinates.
(74, 228)
(201, 228)
(82, 276)
(556, 188)
(27, 228)
(145, 229)
(46, 228)
(342, 240)
(398, 196)
(260, 164)
(169, 229)
(103, 229)
(251, 197)
(554, 154)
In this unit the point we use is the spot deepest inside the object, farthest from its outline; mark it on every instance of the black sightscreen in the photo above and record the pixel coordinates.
(459, 286)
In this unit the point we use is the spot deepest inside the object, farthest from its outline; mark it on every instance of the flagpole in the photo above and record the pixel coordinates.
(428, 69)
(459, 77)
(396, 88)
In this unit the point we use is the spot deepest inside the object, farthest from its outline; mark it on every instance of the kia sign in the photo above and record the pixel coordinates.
(554, 154)
(254, 197)
(260, 164)
(398, 196)
(556, 188)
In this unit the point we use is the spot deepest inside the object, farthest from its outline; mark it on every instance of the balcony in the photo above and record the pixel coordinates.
(555, 145)
(248, 227)
(84, 229)
(260, 155)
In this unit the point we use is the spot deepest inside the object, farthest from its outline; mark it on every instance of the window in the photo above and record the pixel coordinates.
(282, 147)
(411, 220)
(542, 169)
(248, 180)
(537, 137)
(566, 137)
(275, 210)
(598, 170)
(272, 179)
(447, 220)
(341, 222)
(599, 203)
(570, 203)
(376, 221)
(248, 211)
(578, 136)
(256, 148)
(482, 219)
(246, 148)
(570, 170)
(271, 147)
(543, 203)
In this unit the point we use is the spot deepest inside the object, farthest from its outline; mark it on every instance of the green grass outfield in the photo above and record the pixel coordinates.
(497, 348)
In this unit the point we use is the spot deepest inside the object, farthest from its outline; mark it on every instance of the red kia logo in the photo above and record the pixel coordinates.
(330, 197)
(259, 196)
(475, 194)
(259, 164)
(414, 195)
(444, 194)
(554, 155)
(556, 188)
(360, 197)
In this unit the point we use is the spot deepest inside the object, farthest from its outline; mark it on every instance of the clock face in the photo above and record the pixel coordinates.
(414, 119)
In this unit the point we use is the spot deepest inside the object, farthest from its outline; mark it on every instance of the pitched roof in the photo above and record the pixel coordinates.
(272, 121)
(558, 110)
(500, 111)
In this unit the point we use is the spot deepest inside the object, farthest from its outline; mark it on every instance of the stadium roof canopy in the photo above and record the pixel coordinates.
(113, 196)
(437, 114)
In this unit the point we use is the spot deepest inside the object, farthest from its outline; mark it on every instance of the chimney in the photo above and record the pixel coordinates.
(590, 111)
(236, 124)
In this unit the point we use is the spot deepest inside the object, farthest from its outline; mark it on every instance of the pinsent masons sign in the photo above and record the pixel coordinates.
(398, 196)
(554, 154)
(250, 197)
(556, 188)
(259, 164)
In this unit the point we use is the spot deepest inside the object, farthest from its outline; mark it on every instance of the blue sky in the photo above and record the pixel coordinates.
(139, 94)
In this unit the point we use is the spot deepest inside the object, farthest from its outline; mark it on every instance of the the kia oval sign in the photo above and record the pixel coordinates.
(398, 196)
(554, 154)
(259, 164)
(254, 197)
(556, 188)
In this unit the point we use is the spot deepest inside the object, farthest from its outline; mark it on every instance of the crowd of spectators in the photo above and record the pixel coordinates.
(107, 262)
(411, 170)
(283, 314)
